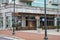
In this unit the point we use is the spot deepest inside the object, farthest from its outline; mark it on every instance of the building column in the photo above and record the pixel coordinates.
(55, 21)
(23, 21)
(4, 21)
(11, 20)
(37, 21)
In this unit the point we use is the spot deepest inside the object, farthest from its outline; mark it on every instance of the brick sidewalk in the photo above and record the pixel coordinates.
(29, 36)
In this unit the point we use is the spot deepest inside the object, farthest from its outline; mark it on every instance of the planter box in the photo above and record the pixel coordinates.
(39, 29)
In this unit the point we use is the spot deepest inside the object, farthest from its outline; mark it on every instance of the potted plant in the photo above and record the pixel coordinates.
(39, 29)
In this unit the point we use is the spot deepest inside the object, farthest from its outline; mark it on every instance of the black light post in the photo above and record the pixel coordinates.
(45, 22)
(14, 19)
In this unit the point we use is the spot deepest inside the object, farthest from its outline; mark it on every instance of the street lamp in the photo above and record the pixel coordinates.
(58, 17)
(45, 22)
(14, 19)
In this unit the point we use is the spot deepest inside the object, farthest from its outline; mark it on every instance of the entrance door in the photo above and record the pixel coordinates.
(19, 23)
(31, 24)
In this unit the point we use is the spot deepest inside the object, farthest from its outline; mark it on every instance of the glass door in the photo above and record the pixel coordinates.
(31, 22)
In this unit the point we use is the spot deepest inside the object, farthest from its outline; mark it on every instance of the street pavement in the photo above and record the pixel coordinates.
(2, 38)
(32, 34)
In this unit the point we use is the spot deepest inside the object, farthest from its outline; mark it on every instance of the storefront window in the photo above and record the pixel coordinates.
(5, 1)
(29, 3)
(50, 21)
(8, 22)
(1, 22)
(0, 1)
(58, 21)
(12, 0)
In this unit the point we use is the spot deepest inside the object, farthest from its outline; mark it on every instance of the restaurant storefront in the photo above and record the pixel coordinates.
(29, 22)
(25, 22)
(25, 17)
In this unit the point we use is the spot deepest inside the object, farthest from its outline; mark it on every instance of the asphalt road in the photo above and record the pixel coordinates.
(2, 38)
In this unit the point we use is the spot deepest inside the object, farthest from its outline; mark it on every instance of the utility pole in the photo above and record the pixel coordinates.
(14, 19)
(58, 15)
(45, 21)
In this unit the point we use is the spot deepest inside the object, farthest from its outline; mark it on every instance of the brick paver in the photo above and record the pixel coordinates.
(29, 36)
